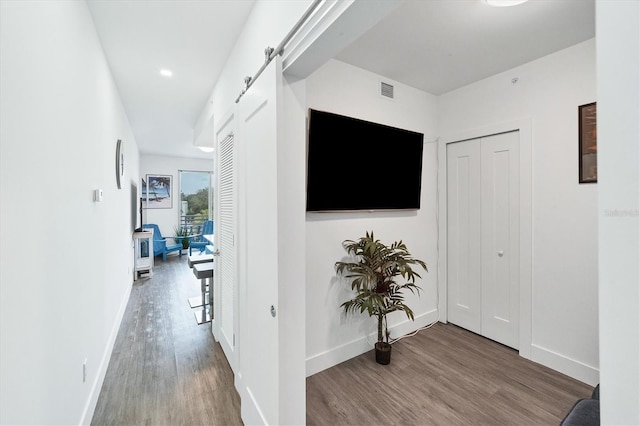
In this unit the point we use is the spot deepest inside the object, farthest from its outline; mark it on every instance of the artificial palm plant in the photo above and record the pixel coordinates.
(374, 278)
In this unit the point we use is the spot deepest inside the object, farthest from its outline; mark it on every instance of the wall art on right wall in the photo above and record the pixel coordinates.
(588, 143)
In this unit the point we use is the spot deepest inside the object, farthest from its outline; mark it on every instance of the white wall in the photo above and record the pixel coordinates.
(565, 219)
(331, 337)
(66, 261)
(168, 219)
(267, 25)
(618, 44)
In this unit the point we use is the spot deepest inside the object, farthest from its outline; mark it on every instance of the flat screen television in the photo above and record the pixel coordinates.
(355, 165)
(134, 206)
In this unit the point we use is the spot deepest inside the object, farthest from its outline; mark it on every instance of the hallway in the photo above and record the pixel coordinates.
(165, 369)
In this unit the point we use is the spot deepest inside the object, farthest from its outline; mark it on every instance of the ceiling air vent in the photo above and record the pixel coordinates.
(386, 90)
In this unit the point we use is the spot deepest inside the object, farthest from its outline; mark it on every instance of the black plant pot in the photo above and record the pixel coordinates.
(383, 353)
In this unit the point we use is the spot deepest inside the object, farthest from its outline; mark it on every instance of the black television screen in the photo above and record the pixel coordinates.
(359, 165)
(134, 206)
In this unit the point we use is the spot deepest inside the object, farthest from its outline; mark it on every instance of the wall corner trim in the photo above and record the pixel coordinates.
(566, 365)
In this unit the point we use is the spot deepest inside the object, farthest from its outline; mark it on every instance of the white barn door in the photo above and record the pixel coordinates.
(483, 236)
(259, 343)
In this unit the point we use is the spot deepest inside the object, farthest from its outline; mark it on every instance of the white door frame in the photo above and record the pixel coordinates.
(523, 126)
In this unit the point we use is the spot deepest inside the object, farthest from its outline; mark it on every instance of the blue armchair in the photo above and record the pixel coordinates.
(160, 245)
(198, 241)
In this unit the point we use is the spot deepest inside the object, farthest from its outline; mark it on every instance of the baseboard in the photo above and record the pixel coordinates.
(249, 411)
(90, 406)
(565, 365)
(346, 351)
(238, 383)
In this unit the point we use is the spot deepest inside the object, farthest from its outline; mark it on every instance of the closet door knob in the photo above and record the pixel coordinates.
(500, 253)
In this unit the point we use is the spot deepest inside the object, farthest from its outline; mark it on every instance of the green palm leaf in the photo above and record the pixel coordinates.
(372, 278)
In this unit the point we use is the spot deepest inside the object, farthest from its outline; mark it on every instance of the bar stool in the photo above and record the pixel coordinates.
(204, 271)
(199, 258)
(197, 301)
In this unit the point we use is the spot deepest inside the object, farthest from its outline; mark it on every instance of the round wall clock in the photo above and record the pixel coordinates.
(119, 164)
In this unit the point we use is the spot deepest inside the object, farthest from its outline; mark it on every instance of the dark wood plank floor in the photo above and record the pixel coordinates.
(442, 376)
(165, 369)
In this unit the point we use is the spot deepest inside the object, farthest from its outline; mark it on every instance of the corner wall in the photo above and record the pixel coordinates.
(331, 337)
(565, 220)
(618, 44)
(267, 25)
(65, 260)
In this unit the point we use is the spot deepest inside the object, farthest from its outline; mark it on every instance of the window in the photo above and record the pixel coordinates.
(196, 198)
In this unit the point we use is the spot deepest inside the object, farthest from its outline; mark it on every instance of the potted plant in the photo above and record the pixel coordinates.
(184, 233)
(374, 279)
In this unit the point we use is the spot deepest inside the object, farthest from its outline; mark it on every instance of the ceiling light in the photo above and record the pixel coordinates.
(166, 73)
(206, 149)
(504, 3)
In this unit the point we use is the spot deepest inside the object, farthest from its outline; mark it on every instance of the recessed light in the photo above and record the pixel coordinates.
(504, 3)
(166, 73)
(206, 149)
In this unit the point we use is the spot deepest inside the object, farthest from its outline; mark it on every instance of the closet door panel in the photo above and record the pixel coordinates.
(464, 234)
(500, 238)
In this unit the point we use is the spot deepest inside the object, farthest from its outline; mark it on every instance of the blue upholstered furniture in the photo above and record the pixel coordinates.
(160, 245)
(198, 241)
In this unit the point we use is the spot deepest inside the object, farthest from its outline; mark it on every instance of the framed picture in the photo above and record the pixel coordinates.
(158, 191)
(588, 144)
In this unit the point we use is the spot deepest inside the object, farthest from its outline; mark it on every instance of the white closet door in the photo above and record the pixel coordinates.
(483, 236)
(259, 342)
(464, 235)
(226, 283)
(500, 238)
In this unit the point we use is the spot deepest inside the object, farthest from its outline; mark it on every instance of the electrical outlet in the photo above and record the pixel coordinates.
(84, 371)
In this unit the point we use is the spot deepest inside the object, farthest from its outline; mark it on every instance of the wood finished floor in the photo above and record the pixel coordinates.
(442, 376)
(165, 369)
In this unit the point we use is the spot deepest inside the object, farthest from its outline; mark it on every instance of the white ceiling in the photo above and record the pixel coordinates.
(441, 45)
(433, 45)
(193, 38)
